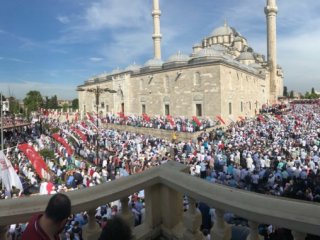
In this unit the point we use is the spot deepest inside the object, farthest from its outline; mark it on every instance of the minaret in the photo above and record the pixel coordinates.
(271, 11)
(156, 29)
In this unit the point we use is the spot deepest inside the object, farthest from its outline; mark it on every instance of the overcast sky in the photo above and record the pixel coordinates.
(54, 45)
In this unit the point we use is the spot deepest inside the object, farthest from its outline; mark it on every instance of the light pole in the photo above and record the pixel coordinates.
(97, 91)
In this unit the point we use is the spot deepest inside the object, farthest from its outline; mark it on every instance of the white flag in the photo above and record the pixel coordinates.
(8, 175)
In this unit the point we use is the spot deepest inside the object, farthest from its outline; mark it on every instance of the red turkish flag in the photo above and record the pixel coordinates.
(36, 160)
(59, 139)
(221, 119)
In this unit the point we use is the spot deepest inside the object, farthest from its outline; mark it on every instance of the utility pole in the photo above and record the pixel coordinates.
(1, 122)
(97, 91)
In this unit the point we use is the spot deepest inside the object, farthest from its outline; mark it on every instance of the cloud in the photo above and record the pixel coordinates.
(96, 59)
(63, 19)
(114, 14)
(100, 19)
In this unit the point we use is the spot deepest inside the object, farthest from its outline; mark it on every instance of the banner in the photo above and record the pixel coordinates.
(146, 117)
(90, 117)
(121, 115)
(169, 118)
(79, 133)
(59, 139)
(220, 119)
(71, 135)
(196, 120)
(76, 117)
(84, 128)
(36, 160)
(8, 175)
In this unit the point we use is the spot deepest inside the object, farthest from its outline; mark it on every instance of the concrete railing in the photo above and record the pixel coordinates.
(164, 189)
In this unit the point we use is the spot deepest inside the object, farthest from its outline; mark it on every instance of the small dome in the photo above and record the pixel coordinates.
(223, 31)
(238, 39)
(246, 56)
(133, 67)
(178, 57)
(115, 71)
(154, 63)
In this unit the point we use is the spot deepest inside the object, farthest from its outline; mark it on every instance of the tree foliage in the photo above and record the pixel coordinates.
(291, 94)
(285, 91)
(65, 107)
(51, 103)
(33, 101)
(75, 104)
(14, 106)
(311, 95)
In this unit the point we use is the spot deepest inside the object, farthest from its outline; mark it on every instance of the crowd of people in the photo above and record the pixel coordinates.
(179, 124)
(12, 121)
(275, 153)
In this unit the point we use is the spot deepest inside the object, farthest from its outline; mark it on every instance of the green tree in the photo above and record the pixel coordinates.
(14, 106)
(312, 91)
(307, 95)
(53, 102)
(75, 104)
(46, 102)
(65, 107)
(285, 91)
(291, 94)
(33, 101)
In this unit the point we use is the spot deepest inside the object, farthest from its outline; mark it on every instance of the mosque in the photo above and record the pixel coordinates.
(222, 76)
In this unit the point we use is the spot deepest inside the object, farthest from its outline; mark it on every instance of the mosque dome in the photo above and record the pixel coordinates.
(154, 63)
(223, 31)
(178, 57)
(246, 56)
(133, 67)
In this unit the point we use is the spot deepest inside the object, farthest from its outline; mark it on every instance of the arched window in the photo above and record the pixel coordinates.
(141, 84)
(197, 79)
(167, 84)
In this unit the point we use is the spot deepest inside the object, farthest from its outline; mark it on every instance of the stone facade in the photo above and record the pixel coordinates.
(222, 76)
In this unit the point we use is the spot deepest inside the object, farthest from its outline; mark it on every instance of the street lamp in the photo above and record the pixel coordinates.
(97, 91)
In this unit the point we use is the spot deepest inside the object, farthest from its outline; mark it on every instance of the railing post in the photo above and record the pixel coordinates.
(254, 232)
(220, 230)
(126, 213)
(192, 222)
(92, 230)
(3, 232)
(298, 235)
(152, 197)
(172, 212)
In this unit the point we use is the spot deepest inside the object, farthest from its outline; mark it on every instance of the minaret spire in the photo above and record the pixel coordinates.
(156, 29)
(271, 11)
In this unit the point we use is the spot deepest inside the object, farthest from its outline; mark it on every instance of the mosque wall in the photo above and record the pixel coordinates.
(242, 93)
(178, 92)
(203, 90)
